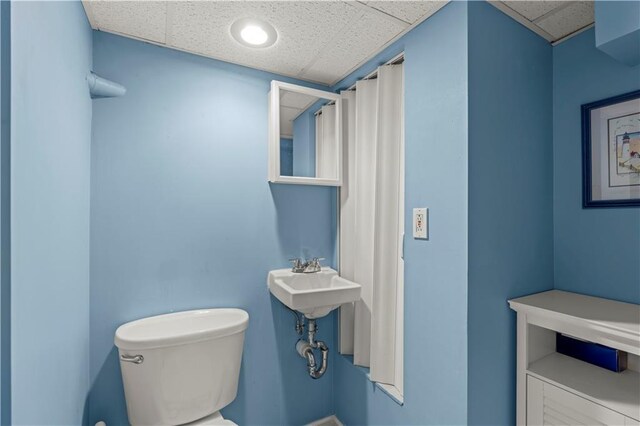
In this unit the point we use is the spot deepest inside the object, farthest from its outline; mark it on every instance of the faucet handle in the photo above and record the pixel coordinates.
(314, 264)
(297, 264)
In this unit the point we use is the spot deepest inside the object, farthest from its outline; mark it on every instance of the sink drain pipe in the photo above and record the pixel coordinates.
(305, 349)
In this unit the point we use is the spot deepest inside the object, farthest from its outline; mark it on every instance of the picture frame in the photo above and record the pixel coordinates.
(611, 152)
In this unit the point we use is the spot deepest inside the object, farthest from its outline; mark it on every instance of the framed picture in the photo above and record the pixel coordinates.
(611, 152)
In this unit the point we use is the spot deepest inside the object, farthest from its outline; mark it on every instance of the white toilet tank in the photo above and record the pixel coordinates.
(180, 367)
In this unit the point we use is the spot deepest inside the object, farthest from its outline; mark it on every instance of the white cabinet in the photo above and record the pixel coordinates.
(554, 389)
(549, 405)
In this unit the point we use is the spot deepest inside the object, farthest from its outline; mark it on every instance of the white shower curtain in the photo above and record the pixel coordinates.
(347, 218)
(372, 222)
(326, 143)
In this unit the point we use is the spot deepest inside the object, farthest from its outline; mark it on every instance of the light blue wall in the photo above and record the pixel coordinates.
(510, 198)
(286, 157)
(435, 270)
(50, 161)
(5, 241)
(182, 217)
(616, 19)
(596, 250)
(618, 30)
(304, 137)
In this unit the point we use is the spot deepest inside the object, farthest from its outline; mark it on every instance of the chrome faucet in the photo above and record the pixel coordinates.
(308, 267)
(298, 266)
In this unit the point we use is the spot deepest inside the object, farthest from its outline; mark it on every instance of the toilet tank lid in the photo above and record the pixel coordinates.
(181, 327)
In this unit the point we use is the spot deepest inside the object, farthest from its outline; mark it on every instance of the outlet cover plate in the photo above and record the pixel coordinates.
(421, 223)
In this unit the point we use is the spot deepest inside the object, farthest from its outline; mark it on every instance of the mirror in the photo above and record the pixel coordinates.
(304, 135)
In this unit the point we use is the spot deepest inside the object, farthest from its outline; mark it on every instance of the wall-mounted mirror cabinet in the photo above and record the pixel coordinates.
(305, 129)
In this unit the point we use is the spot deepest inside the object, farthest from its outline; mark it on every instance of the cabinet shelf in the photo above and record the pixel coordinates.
(617, 391)
(546, 377)
(604, 321)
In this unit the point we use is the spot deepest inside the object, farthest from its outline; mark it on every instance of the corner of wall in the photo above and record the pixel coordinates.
(510, 201)
(585, 262)
(5, 211)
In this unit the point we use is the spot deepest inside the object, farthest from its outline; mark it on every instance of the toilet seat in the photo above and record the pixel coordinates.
(212, 419)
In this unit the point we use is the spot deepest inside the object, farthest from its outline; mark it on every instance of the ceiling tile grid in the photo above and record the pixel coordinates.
(139, 19)
(532, 10)
(408, 11)
(203, 28)
(566, 20)
(320, 41)
(553, 20)
(353, 46)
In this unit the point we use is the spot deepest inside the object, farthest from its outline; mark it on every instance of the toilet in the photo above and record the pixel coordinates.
(181, 368)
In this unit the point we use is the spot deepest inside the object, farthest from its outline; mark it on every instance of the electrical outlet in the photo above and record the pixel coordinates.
(421, 223)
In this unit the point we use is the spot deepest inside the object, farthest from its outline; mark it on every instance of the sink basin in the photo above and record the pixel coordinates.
(315, 294)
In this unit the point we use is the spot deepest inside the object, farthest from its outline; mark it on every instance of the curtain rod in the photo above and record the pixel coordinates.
(319, 112)
(398, 59)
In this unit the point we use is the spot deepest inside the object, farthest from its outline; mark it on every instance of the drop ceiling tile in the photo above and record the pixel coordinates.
(296, 100)
(304, 29)
(532, 10)
(287, 113)
(408, 11)
(568, 20)
(141, 19)
(351, 47)
(318, 40)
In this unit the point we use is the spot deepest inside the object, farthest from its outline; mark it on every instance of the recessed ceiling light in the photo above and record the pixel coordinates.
(253, 32)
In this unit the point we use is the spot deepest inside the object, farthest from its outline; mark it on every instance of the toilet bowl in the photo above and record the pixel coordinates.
(181, 368)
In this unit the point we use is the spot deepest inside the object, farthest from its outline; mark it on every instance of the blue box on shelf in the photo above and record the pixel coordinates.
(593, 353)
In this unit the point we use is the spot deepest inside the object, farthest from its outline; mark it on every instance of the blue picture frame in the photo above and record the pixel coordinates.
(588, 144)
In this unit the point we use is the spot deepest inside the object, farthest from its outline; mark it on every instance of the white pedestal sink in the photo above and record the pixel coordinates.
(315, 294)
